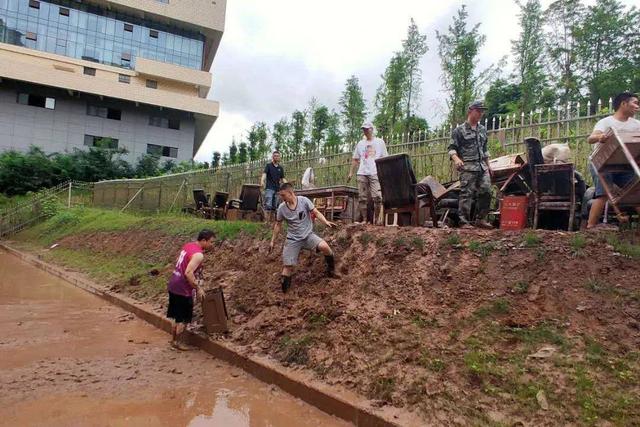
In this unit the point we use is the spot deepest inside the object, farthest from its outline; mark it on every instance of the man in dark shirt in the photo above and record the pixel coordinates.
(468, 150)
(272, 178)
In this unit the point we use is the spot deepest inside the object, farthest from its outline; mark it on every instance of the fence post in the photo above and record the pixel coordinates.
(69, 198)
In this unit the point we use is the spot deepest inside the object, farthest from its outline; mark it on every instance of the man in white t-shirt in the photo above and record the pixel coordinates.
(625, 106)
(365, 154)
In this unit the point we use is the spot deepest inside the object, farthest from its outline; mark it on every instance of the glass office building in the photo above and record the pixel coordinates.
(94, 34)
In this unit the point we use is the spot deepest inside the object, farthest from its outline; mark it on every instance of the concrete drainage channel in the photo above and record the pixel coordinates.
(325, 400)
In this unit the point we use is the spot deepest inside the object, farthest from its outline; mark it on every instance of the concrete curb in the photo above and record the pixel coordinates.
(325, 400)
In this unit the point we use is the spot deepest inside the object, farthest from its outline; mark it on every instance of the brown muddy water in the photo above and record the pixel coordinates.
(67, 358)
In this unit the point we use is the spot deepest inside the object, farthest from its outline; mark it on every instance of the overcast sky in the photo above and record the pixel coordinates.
(276, 55)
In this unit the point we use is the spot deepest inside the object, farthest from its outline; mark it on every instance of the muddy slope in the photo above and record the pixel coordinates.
(461, 327)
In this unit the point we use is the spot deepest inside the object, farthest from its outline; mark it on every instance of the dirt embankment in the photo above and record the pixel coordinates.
(463, 327)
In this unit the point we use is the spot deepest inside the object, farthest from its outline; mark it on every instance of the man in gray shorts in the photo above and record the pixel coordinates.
(297, 211)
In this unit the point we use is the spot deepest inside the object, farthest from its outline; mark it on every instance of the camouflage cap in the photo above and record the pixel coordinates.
(477, 105)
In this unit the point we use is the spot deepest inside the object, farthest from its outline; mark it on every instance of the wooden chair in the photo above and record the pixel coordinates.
(554, 190)
(203, 207)
(399, 195)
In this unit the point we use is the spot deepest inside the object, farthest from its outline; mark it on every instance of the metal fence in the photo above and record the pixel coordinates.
(570, 124)
(43, 204)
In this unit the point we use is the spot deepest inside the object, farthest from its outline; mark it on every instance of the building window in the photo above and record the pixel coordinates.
(161, 150)
(37, 101)
(31, 36)
(95, 35)
(174, 124)
(101, 142)
(164, 122)
(123, 78)
(152, 84)
(104, 112)
(89, 71)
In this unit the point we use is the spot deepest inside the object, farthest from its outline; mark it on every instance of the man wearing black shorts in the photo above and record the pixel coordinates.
(185, 281)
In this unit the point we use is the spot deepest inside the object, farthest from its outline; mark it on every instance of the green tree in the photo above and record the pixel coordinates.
(225, 159)
(502, 98)
(243, 153)
(258, 146)
(390, 96)
(413, 49)
(353, 110)
(298, 124)
(233, 152)
(459, 49)
(528, 51)
(604, 46)
(281, 136)
(215, 160)
(563, 19)
(148, 165)
(319, 126)
(333, 135)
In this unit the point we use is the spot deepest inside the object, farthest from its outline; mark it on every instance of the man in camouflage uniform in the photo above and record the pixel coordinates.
(468, 150)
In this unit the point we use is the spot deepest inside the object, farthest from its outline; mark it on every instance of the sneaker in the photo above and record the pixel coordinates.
(333, 275)
(484, 225)
(466, 226)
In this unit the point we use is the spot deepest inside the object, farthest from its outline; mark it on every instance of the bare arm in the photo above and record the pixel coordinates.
(598, 137)
(322, 218)
(276, 230)
(355, 163)
(189, 273)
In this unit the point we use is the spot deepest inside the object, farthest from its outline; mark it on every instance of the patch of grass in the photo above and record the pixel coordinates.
(317, 320)
(539, 334)
(400, 242)
(295, 350)
(595, 285)
(382, 388)
(482, 249)
(431, 363)
(541, 254)
(480, 363)
(578, 242)
(418, 243)
(381, 241)
(110, 268)
(585, 395)
(629, 249)
(421, 322)
(81, 220)
(595, 353)
(531, 239)
(452, 240)
(365, 238)
(522, 287)
(497, 307)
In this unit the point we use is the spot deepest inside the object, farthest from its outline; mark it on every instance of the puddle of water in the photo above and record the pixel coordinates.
(68, 358)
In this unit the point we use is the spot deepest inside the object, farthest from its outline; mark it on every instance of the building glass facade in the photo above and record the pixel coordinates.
(89, 33)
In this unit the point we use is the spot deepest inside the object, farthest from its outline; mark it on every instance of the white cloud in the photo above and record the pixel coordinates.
(275, 56)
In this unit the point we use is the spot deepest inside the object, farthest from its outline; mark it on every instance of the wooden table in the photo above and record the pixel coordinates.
(331, 192)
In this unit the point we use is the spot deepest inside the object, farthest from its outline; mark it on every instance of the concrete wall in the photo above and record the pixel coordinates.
(63, 129)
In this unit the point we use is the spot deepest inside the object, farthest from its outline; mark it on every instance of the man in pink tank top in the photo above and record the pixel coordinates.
(186, 280)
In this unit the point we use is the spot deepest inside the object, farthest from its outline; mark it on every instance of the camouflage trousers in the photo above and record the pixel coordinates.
(475, 186)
